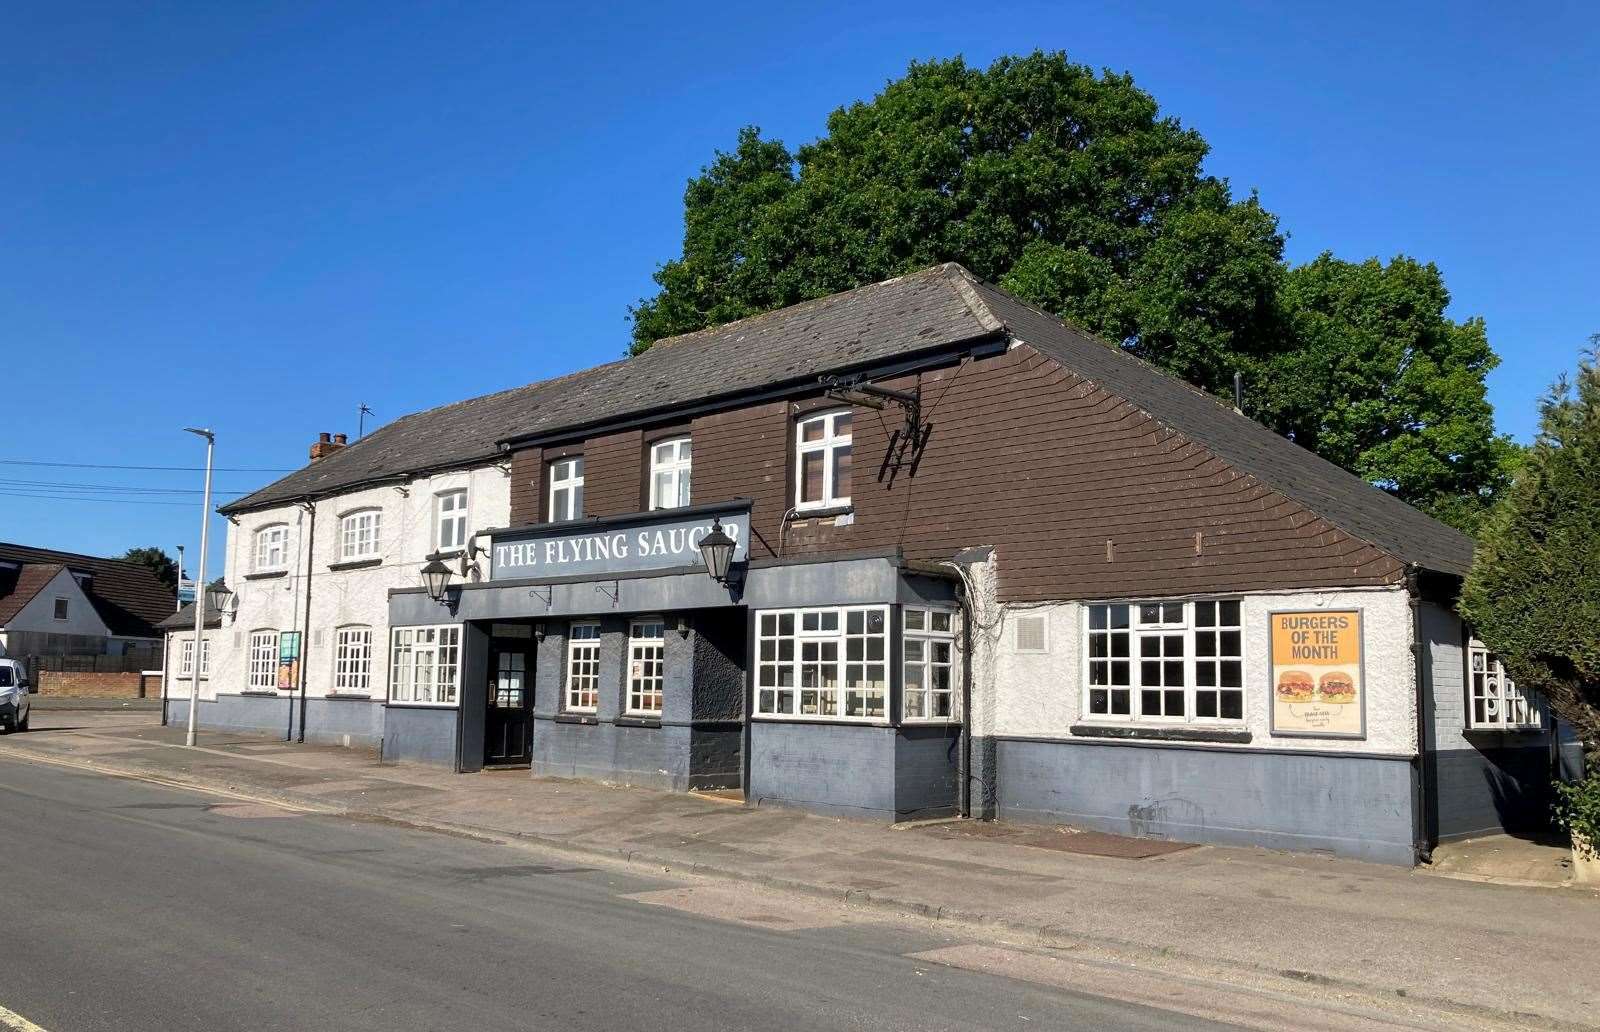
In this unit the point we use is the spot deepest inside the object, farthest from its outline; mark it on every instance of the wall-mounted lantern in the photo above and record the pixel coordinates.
(436, 579)
(717, 550)
(217, 599)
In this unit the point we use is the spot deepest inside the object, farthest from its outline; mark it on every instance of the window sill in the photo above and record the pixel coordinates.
(823, 512)
(576, 718)
(785, 718)
(355, 564)
(266, 575)
(1162, 734)
(261, 693)
(421, 705)
(637, 720)
(348, 697)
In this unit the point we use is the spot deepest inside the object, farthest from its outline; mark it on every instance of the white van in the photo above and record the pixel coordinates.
(14, 692)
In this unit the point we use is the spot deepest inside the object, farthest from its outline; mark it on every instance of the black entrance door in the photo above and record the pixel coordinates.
(508, 726)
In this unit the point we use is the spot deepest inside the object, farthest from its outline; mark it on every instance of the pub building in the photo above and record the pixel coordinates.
(914, 550)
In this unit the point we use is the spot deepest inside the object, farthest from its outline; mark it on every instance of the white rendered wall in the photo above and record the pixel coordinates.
(1041, 695)
(340, 597)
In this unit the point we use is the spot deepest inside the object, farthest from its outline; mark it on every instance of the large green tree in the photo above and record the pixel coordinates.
(1534, 591)
(165, 569)
(1071, 189)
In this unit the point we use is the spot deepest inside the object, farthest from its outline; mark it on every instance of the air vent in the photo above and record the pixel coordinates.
(316, 637)
(1032, 634)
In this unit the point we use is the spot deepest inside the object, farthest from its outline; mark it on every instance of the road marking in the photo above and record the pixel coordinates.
(11, 1019)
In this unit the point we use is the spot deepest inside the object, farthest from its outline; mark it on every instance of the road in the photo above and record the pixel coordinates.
(130, 905)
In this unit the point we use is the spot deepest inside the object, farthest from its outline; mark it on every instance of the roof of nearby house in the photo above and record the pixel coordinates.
(183, 619)
(21, 585)
(932, 310)
(128, 596)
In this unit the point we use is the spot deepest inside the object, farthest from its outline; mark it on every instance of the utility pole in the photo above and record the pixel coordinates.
(199, 593)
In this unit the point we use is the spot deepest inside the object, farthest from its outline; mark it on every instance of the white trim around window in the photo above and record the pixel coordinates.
(352, 661)
(272, 548)
(929, 666)
(360, 534)
(1163, 662)
(263, 669)
(647, 664)
(1494, 702)
(824, 663)
(670, 464)
(822, 459)
(566, 489)
(582, 692)
(424, 665)
(450, 520)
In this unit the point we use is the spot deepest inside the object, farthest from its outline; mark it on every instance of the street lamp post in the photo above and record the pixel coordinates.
(200, 573)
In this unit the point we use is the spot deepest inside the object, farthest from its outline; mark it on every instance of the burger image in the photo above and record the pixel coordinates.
(1337, 686)
(1295, 686)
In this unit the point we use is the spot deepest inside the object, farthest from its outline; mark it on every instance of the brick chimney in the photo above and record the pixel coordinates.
(326, 444)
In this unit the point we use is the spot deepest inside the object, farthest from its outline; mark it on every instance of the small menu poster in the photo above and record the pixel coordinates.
(1317, 674)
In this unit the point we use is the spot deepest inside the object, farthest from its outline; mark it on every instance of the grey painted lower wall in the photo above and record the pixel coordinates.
(421, 734)
(882, 773)
(654, 757)
(266, 714)
(1501, 785)
(1356, 806)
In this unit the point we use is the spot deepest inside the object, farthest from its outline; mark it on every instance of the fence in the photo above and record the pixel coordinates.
(130, 662)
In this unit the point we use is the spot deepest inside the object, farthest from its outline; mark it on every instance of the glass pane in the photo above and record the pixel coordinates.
(1174, 704)
(1097, 618)
(913, 649)
(841, 472)
(1150, 703)
(1229, 613)
(841, 424)
(941, 621)
(811, 477)
(1205, 704)
(1099, 700)
(914, 619)
(1119, 617)
(875, 621)
(813, 429)
(1149, 613)
(1205, 614)
(1233, 705)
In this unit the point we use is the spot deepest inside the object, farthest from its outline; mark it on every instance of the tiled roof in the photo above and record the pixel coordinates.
(920, 312)
(935, 309)
(183, 619)
(127, 596)
(22, 585)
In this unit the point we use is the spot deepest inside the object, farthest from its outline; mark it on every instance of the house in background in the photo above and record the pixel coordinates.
(65, 604)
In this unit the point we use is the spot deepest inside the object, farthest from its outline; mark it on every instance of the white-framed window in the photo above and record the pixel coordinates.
(822, 460)
(823, 664)
(360, 534)
(263, 661)
(647, 661)
(450, 520)
(669, 473)
(566, 489)
(927, 653)
(1164, 662)
(1494, 700)
(583, 667)
(352, 661)
(186, 663)
(272, 548)
(424, 665)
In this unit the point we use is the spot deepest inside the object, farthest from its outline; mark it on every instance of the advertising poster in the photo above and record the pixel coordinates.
(288, 660)
(1318, 685)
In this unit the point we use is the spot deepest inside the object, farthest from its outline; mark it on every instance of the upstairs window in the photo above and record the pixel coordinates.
(669, 474)
(450, 520)
(272, 548)
(1165, 662)
(822, 460)
(360, 534)
(62, 605)
(566, 489)
(1495, 700)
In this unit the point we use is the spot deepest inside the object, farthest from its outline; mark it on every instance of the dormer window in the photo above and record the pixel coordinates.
(669, 473)
(566, 489)
(272, 548)
(822, 460)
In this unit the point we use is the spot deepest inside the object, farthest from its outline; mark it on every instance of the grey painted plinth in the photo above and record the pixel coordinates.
(420, 734)
(882, 773)
(1355, 806)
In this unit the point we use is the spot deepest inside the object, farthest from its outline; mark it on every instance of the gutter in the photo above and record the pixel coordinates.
(1422, 801)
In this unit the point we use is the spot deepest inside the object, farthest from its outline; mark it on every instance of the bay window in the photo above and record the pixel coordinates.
(360, 534)
(424, 665)
(1494, 699)
(823, 663)
(263, 661)
(647, 649)
(822, 460)
(566, 489)
(272, 548)
(583, 668)
(1164, 662)
(670, 463)
(927, 650)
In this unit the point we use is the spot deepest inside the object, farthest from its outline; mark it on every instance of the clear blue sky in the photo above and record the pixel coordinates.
(257, 216)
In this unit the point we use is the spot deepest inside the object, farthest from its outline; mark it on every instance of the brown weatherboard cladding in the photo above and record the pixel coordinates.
(1032, 459)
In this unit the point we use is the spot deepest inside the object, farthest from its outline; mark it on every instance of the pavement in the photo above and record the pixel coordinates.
(1467, 952)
